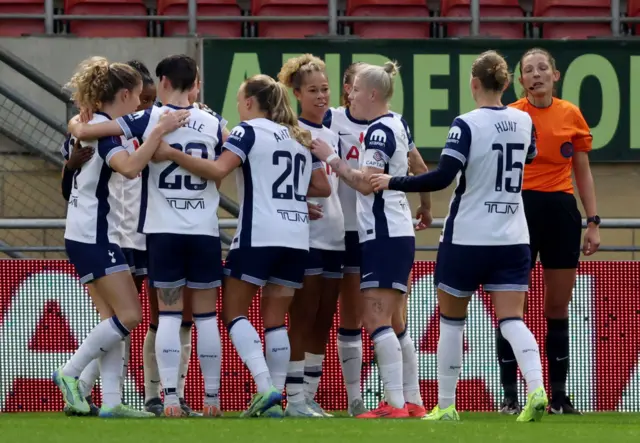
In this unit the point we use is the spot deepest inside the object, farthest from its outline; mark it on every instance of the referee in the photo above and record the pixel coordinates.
(555, 223)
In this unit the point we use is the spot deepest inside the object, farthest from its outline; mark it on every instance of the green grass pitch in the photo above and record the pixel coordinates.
(473, 428)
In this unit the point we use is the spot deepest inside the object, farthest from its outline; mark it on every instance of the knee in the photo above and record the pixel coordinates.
(131, 318)
(556, 308)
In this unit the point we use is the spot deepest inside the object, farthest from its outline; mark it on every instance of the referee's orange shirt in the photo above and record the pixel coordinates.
(561, 130)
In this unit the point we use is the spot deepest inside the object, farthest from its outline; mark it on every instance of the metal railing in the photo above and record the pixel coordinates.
(332, 18)
(232, 223)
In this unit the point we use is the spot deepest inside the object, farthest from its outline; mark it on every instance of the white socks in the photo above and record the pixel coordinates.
(209, 354)
(449, 359)
(526, 350)
(111, 373)
(295, 382)
(350, 354)
(278, 352)
(312, 374)
(88, 378)
(410, 376)
(168, 354)
(150, 365)
(185, 353)
(389, 357)
(99, 341)
(249, 347)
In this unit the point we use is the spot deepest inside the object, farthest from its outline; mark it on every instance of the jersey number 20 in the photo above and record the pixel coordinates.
(186, 181)
(294, 163)
(509, 165)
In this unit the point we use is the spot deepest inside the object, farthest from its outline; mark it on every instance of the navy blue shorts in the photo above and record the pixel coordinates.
(461, 269)
(352, 252)
(138, 261)
(387, 263)
(267, 264)
(93, 261)
(323, 262)
(177, 260)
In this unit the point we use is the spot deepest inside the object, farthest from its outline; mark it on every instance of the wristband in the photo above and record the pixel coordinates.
(332, 157)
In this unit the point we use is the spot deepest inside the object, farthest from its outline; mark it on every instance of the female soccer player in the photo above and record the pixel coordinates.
(349, 125)
(313, 307)
(271, 243)
(486, 150)
(91, 235)
(555, 223)
(384, 224)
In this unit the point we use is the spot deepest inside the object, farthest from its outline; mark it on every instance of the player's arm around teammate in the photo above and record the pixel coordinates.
(385, 223)
(554, 220)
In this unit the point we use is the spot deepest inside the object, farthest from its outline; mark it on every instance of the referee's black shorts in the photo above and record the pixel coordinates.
(555, 228)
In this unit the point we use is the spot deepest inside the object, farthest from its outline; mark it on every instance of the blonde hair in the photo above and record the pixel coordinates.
(380, 78)
(96, 82)
(492, 71)
(347, 79)
(295, 69)
(273, 99)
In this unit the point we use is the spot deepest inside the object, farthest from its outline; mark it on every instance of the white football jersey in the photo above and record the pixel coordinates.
(174, 200)
(327, 233)
(351, 133)
(131, 201)
(493, 145)
(94, 212)
(272, 185)
(385, 214)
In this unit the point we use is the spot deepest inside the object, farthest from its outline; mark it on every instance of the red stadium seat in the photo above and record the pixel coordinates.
(573, 8)
(288, 8)
(390, 8)
(633, 10)
(107, 28)
(488, 8)
(206, 8)
(11, 27)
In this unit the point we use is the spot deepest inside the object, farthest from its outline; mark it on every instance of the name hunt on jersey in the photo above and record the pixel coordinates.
(173, 199)
(492, 144)
(385, 214)
(272, 185)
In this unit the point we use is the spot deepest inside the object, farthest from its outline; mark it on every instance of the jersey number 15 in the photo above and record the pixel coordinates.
(507, 184)
(282, 189)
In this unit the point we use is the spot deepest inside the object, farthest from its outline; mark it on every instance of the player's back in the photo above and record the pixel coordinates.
(95, 204)
(272, 186)
(486, 208)
(178, 201)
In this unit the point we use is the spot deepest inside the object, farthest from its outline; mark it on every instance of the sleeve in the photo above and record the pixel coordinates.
(134, 125)
(379, 145)
(431, 181)
(326, 121)
(222, 123)
(410, 141)
(240, 141)
(108, 147)
(458, 141)
(65, 149)
(67, 183)
(316, 163)
(532, 151)
(582, 139)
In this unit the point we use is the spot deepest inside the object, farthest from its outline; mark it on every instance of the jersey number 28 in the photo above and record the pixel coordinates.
(502, 183)
(281, 188)
(187, 181)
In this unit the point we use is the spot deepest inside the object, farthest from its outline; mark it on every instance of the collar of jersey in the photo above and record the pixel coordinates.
(179, 107)
(104, 114)
(308, 123)
(353, 119)
(495, 108)
(382, 116)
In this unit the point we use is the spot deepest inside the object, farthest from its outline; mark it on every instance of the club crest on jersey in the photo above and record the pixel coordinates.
(454, 135)
(378, 138)
(237, 132)
(566, 150)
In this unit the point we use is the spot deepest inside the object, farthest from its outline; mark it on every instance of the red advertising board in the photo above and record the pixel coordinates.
(45, 313)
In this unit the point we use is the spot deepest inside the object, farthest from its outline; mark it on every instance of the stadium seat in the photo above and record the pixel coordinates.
(488, 8)
(573, 8)
(390, 8)
(107, 28)
(11, 27)
(633, 10)
(206, 8)
(289, 8)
